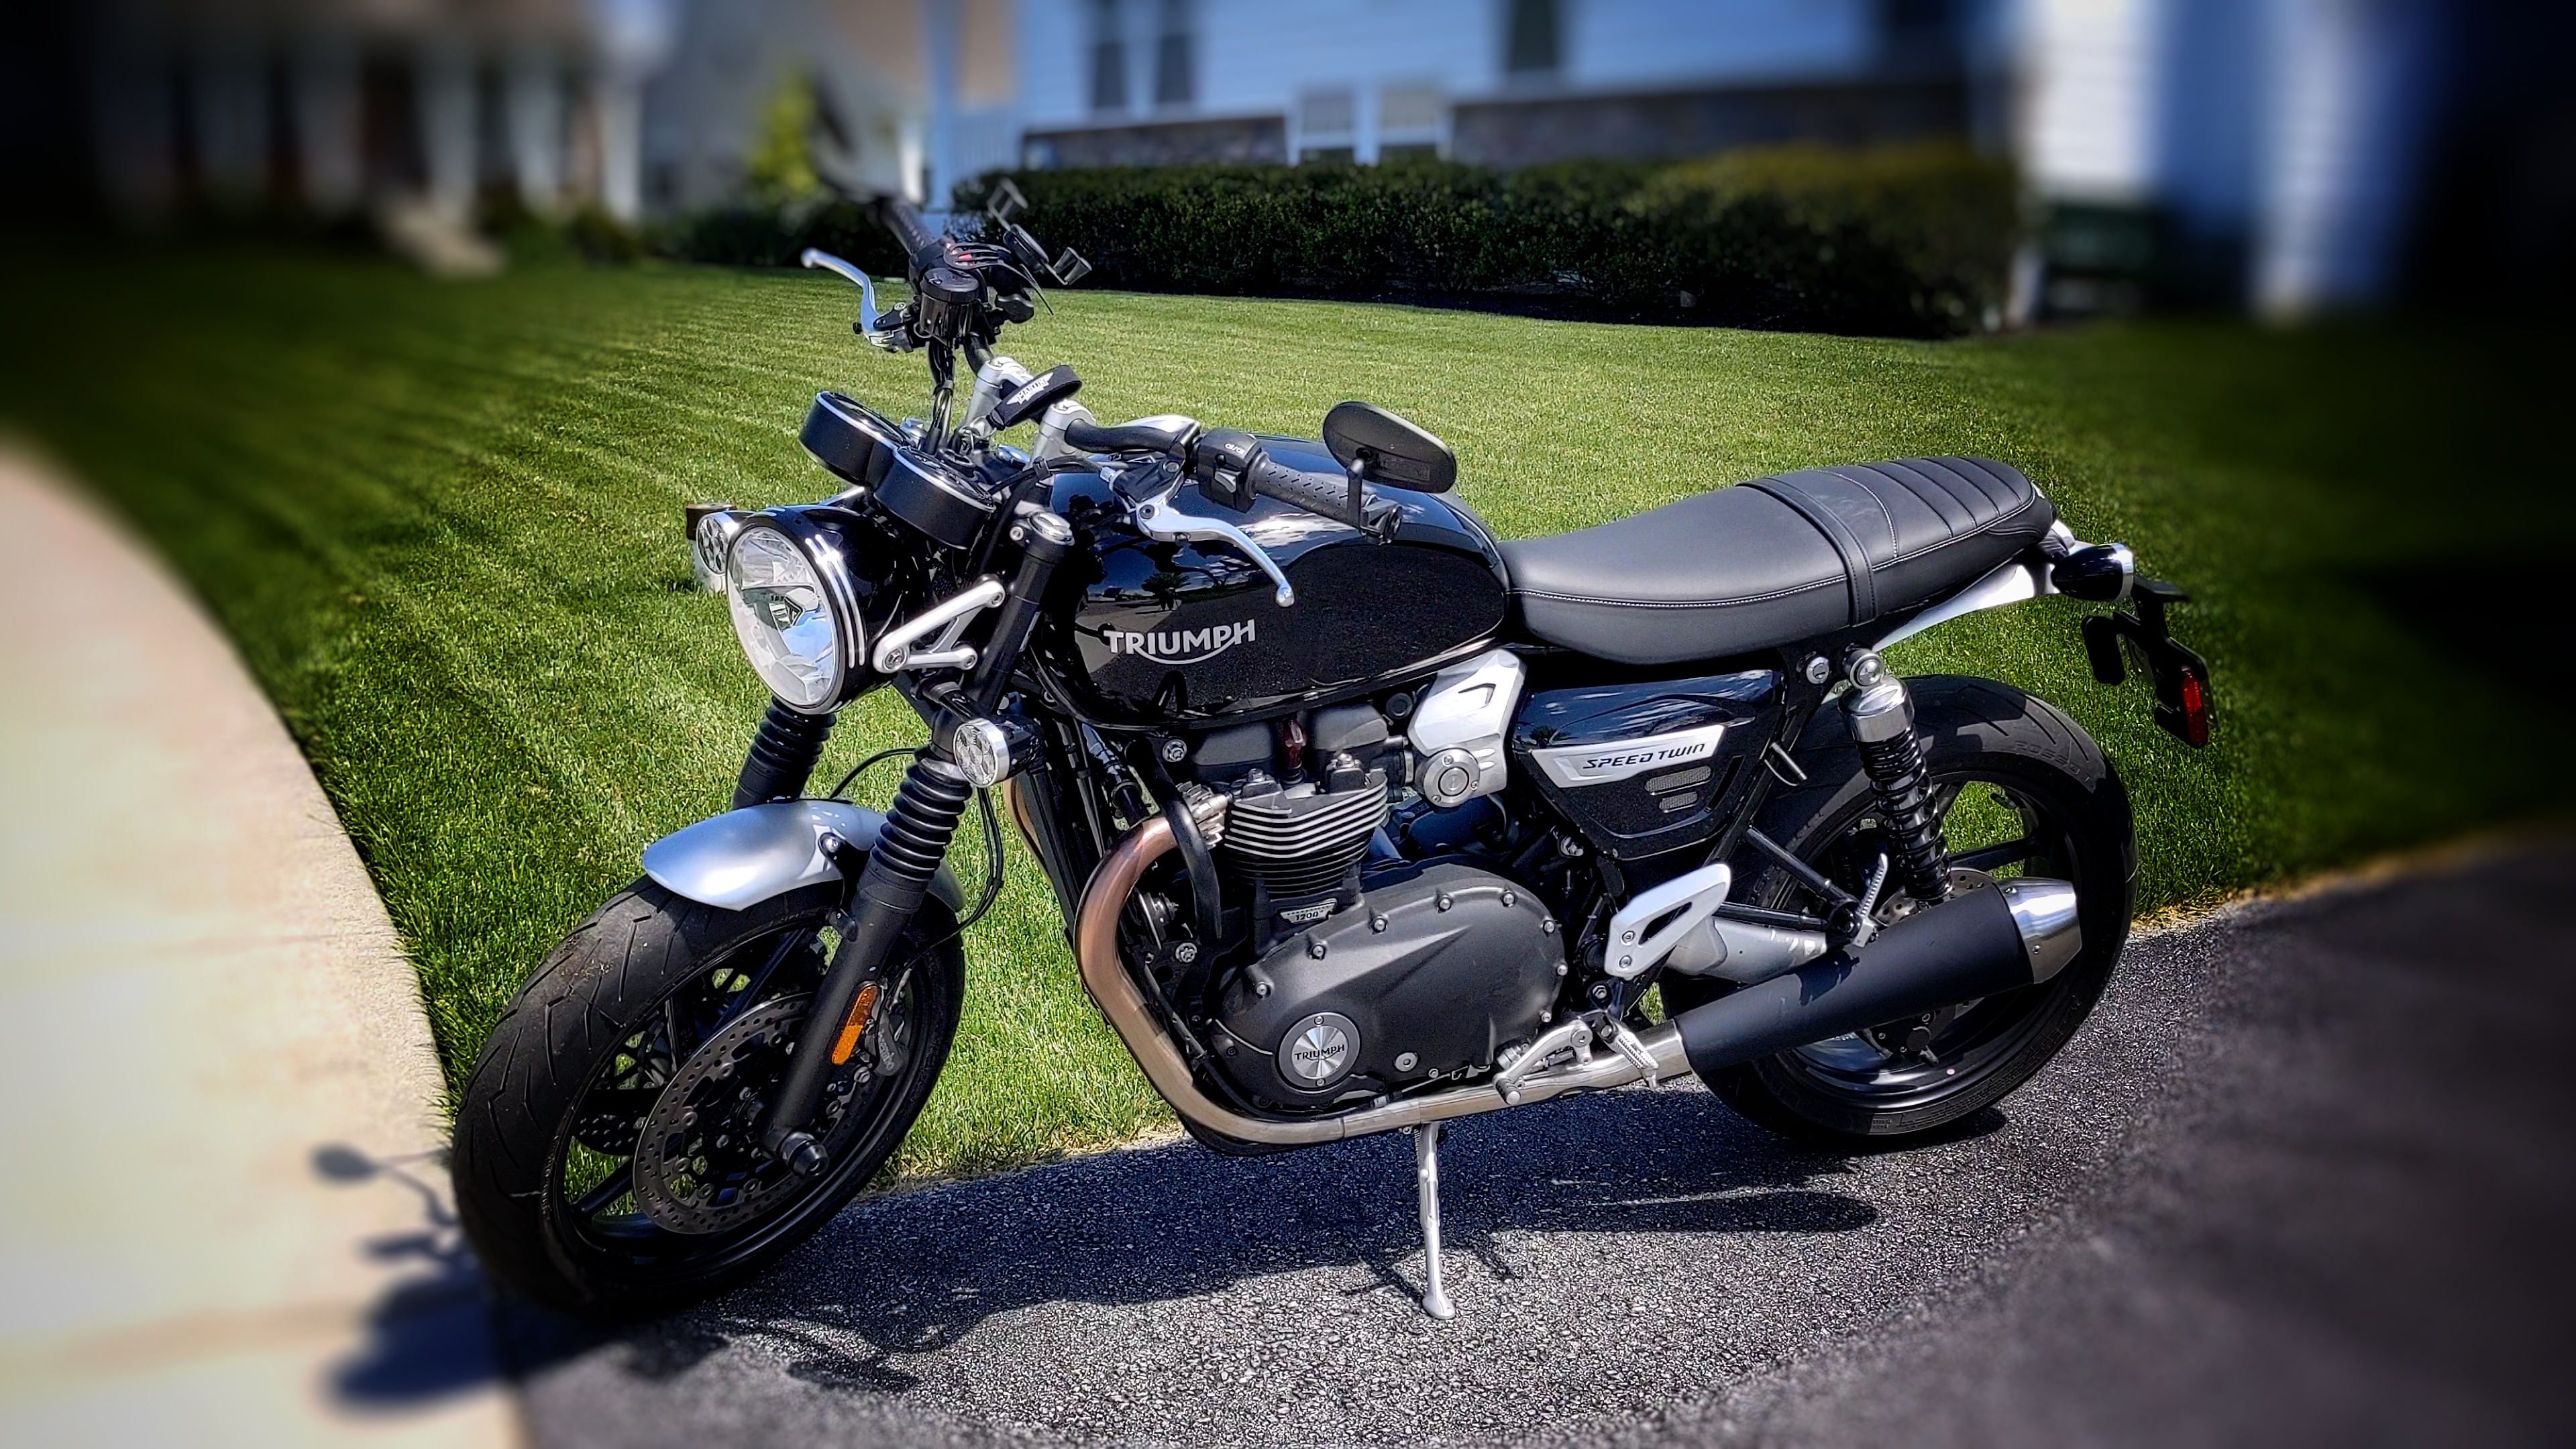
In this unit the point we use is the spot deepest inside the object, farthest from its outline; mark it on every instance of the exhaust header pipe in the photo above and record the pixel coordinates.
(1976, 944)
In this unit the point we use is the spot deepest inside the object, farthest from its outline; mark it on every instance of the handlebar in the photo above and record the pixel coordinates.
(1135, 437)
(1232, 468)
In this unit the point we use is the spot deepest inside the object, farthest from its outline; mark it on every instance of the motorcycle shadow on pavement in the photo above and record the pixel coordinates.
(910, 1274)
(426, 1336)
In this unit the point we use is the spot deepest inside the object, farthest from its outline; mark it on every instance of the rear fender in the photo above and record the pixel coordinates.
(736, 860)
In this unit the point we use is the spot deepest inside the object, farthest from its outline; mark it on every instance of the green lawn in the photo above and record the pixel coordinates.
(442, 522)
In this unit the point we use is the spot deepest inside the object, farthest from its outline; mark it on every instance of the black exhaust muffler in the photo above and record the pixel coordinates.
(1981, 942)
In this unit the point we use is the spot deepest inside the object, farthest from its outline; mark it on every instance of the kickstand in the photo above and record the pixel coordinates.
(1426, 1177)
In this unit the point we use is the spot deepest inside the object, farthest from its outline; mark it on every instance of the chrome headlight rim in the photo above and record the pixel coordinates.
(826, 553)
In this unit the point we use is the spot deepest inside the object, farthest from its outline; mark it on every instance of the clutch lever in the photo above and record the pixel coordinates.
(1158, 519)
(891, 338)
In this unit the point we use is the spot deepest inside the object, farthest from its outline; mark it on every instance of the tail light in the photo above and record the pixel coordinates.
(2181, 676)
(2186, 715)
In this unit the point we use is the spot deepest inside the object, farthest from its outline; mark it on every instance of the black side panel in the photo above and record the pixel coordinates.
(1646, 768)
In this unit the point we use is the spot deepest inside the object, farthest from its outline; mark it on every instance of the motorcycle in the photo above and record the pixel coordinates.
(1360, 818)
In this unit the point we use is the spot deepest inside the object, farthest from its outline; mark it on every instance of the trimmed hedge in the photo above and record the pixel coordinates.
(750, 236)
(1911, 240)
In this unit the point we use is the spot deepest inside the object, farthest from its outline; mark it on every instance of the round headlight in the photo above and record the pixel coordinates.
(793, 612)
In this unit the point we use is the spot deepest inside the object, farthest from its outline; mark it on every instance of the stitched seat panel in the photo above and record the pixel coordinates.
(1760, 565)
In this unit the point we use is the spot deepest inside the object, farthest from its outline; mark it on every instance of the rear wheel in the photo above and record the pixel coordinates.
(2023, 791)
(607, 1153)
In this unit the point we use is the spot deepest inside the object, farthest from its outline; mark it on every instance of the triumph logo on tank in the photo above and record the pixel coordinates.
(1180, 646)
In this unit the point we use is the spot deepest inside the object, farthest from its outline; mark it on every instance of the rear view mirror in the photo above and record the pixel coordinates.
(1384, 448)
(1034, 397)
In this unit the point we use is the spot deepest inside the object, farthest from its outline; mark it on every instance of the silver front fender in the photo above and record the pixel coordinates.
(736, 860)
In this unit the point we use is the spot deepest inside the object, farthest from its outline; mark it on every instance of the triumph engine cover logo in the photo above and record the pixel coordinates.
(1180, 646)
(1319, 1050)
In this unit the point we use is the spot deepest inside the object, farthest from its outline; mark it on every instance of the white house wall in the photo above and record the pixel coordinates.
(1257, 57)
(1636, 45)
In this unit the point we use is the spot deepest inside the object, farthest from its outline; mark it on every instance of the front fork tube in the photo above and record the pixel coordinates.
(1881, 715)
(917, 831)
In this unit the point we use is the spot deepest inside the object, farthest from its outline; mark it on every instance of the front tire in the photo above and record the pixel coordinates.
(2023, 790)
(546, 1157)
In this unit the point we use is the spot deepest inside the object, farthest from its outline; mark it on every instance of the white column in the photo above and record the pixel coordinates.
(537, 128)
(618, 101)
(327, 124)
(2089, 118)
(447, 126)
(909, 145)
(939, 42)
(633, 37)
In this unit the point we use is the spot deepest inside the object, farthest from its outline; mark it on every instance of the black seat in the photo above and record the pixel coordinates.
(1775, 560)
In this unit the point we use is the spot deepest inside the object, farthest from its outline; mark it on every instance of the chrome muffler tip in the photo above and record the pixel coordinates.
(2044, 912)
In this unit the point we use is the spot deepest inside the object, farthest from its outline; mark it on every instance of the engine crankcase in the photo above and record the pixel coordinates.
(1431, 974)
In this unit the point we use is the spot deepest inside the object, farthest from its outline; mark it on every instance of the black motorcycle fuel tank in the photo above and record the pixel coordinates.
(1141, 632)
(1651, 766)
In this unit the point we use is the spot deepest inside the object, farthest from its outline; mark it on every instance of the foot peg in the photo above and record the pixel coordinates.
(1426, 1178)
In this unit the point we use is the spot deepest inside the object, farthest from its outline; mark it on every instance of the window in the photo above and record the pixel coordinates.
(1173, 43)
(1408, 109)
(1408, 121)
(1108, 57)
(1533, 37)
(1327, 125)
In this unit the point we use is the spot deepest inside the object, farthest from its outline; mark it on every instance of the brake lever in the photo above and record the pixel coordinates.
(1158, 519)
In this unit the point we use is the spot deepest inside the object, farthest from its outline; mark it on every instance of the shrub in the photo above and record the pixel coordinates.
(1915, 239)
(1911, 240)
(759, 236)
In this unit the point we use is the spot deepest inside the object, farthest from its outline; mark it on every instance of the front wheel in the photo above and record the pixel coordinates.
(2022, 790)
(607, 1155)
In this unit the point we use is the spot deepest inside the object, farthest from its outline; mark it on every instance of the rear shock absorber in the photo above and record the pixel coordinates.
(927, 807)
(1881, 716)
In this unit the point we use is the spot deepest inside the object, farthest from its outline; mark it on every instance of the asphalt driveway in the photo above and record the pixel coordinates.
(2303, 1178)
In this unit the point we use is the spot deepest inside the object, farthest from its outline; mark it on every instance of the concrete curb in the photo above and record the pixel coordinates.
(227, 1219)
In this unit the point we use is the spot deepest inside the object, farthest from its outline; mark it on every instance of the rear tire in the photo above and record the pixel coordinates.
(2004, 755)
(582, 1051)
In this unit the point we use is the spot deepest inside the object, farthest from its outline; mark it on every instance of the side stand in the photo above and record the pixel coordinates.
(1426, 1177)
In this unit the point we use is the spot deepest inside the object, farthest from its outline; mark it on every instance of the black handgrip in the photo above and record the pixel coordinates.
(1337, 499)
(898, 216)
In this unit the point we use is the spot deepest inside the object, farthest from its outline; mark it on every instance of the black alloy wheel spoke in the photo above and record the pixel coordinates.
(615, 1186)
(748, 997)
(672, 1038)
(1995, 857)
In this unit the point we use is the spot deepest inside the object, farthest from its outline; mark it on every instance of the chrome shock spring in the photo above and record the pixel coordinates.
(1881, 715)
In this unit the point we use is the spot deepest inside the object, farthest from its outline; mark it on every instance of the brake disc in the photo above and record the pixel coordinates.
(699, 1165)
